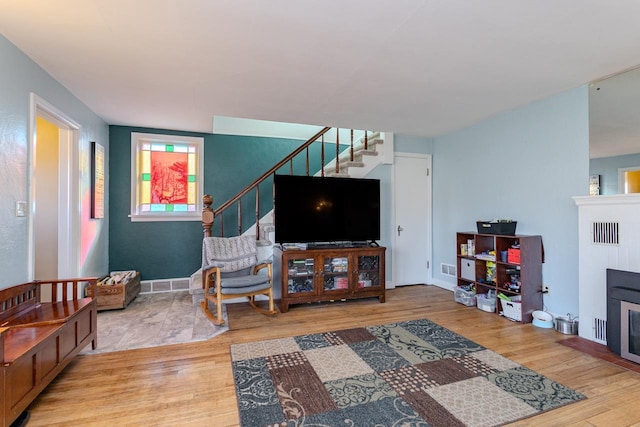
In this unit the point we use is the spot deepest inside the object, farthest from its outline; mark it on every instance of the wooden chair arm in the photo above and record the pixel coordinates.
(206, 274)
(266, 265)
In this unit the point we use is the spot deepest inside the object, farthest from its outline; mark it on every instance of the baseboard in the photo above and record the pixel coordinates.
(443, 284)
(439, 283)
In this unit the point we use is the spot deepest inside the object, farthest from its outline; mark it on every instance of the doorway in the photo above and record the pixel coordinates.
(629, 180)
(412, 233)
(54, 202)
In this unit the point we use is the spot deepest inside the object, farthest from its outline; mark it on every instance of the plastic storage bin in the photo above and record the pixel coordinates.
(513, 256)
(486, 302)
(464, 297)
(502, 227)
(512, 309)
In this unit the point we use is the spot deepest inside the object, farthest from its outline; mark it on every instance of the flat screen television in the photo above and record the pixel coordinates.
(326, 210)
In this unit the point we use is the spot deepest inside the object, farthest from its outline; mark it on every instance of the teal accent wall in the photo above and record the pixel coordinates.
(607, 168)
(525, 165)
(174, 249)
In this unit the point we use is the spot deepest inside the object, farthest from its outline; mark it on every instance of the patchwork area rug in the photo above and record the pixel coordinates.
(414, 373)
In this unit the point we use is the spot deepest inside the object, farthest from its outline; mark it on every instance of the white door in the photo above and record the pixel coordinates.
(411, 256)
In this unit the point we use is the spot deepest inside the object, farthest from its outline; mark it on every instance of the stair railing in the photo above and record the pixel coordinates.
(208, 213)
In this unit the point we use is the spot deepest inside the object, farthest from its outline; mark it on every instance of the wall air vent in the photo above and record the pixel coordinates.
(448, 270)
(600, 330)
(605, 233)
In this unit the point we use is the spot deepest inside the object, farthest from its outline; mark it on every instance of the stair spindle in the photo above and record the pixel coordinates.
(307, 161)
(322, 156)
(239, 217)
(351, 156)
(257, 213)
(337, 150)
(366, 140)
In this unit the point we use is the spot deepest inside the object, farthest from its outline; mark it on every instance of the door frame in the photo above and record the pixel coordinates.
(429, 242)
(69, 206)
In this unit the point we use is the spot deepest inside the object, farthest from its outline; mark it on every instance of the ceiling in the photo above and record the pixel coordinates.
(417, 67)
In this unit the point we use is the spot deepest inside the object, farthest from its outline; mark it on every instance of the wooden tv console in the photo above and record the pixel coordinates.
(329, 273)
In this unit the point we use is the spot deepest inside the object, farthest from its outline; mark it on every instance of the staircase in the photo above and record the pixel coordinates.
(364, 161)
(360, 158)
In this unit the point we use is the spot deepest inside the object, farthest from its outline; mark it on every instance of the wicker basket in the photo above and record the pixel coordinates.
(512, 309)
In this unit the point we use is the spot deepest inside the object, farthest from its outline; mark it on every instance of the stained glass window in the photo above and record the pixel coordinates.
(167, 176)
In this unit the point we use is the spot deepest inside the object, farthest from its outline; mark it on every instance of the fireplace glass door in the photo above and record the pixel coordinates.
(630, 331)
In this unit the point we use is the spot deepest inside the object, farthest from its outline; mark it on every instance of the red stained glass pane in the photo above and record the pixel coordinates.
(168, 177)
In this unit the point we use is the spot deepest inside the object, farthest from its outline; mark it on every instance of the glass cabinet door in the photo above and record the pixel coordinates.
(335, 273)
(368, 271)
(300, 274)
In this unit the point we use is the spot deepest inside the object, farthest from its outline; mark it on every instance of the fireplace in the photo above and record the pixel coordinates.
(608, 238)
(623, 313)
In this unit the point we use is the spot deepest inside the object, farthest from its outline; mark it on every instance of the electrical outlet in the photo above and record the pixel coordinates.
(545, 289)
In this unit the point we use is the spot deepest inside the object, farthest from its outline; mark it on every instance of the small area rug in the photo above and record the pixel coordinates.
(153, 320)
(415, 373)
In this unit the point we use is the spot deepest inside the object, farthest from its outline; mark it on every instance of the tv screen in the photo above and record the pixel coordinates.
(321, 209)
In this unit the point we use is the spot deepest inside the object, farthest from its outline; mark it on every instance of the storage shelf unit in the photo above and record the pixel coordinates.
(338, 273)
(493, 273)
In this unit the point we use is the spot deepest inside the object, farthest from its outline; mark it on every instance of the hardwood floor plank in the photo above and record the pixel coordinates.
(192, 384)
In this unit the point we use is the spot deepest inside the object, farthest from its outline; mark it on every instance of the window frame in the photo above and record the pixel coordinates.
(136, 213)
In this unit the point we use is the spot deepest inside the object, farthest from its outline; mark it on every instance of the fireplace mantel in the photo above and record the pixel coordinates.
(610, 199)
(618, 216)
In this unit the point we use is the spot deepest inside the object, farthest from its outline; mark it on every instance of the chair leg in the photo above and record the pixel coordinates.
(219, 321)
(271, 309)
(271, 306)
(219, 307)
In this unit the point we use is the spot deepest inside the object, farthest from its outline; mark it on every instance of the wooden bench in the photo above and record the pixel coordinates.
(38, 339)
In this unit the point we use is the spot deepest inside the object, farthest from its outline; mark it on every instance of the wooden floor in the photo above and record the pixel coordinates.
(192, 384)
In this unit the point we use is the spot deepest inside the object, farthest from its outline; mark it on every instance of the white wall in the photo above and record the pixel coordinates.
(19, 76)
(525, 165)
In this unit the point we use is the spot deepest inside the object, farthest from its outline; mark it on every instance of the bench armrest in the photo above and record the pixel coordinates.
(69, 289)
(2, 332)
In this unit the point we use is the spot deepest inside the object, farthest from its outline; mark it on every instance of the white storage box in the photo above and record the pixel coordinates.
(486, 303)
(512, 309)
(468, 269)
(465, 297)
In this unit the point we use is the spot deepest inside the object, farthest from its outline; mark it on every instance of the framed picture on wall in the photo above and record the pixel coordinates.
(97, 180)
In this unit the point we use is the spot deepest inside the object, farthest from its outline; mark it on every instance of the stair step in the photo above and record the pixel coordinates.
(358, 153)
(268, 227)
(337, 175)
(349, 164)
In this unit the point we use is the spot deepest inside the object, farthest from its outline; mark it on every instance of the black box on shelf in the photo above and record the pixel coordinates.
(502, 227)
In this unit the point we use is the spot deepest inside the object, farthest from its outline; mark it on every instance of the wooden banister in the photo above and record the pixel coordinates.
(268, 173)
(209, 214)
